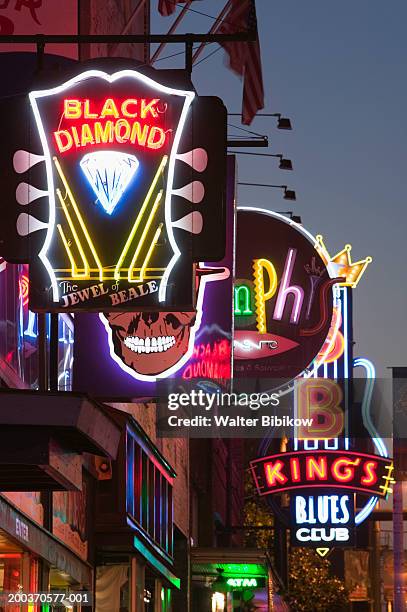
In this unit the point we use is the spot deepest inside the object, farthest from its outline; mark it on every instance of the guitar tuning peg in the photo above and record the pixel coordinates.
(194, 192)
(190, 223)
(24, 160)
(196, 158)
(27, 224)
(26, 193)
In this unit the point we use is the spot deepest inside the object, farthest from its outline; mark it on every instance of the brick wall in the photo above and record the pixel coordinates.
(217, 485)
(110, 17)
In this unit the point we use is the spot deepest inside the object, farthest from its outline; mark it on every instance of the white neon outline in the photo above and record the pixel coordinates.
(110, 78)
(167, 203)
(66, 367)
(311, 444)
(335, 444)
(370, 370)
(29, 330)
(51, 198)
(223, 274)
(366, 511)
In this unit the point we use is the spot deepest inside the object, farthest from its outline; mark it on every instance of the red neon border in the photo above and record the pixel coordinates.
(253, 465)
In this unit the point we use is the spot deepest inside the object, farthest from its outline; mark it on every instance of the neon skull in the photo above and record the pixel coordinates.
(150, 342)
(151, 345)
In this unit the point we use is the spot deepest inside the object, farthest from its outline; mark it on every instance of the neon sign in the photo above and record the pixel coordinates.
(335, 362)
(209, 360)
(323, 509)
(322, 534)
(283, 302)
(109, 174)
(121, 170)
(152, 345)
(322, 518)
(321, 400)
(342, 263)
(242, 583)
(322, 515)
(312, 469)
(108, 123)
(189, 342)
(242, 300)
(24, 288)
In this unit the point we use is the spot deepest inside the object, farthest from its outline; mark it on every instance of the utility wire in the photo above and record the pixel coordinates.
(207, 56)
(161, 59)
(191, 10)
(237, 127)
(259, 154)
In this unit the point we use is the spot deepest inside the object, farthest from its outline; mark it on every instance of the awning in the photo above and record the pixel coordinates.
(247, 562)
(229, 555)
(42, 436)
(32, 537)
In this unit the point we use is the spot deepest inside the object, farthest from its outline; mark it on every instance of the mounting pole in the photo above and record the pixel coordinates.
(189, 47)
(53, 352)
(75, 39)
(40, 54)
(42, 353)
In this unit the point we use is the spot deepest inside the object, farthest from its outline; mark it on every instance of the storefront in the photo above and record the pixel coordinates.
(47, 479)
(134, 530)
(232, 579)
(33, 560)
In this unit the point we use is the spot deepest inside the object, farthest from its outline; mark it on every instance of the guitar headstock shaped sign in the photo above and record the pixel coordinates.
(125, 185)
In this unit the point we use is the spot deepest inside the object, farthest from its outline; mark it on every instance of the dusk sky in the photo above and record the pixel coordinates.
(337, 69)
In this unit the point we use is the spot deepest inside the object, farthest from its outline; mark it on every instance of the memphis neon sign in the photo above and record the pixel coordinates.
(358, 472)
(283, 296)
(267, 285)
(88, 123)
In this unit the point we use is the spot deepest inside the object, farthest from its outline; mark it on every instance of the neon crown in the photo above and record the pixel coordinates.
(342, 263)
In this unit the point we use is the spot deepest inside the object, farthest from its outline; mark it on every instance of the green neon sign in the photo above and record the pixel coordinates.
(242, 300)
(242, 583)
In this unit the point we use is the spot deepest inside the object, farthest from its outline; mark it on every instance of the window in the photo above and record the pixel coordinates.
(19, 331)
(149, 495)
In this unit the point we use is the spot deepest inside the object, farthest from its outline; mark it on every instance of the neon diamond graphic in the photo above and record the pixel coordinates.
(109, 174)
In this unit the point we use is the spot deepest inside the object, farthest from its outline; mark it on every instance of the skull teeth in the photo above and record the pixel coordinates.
(151, 344)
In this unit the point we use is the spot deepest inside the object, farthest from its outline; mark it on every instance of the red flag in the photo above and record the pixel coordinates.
(244, 57)
(167, 7)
